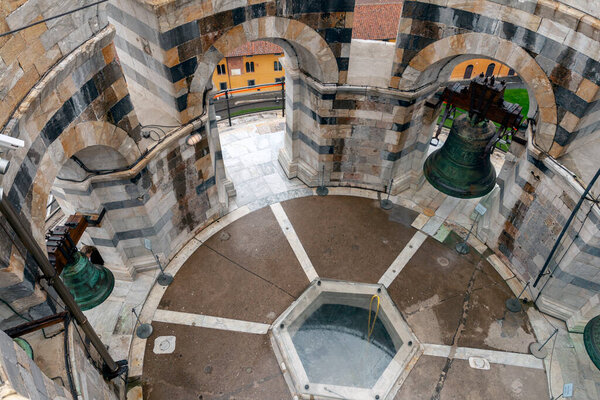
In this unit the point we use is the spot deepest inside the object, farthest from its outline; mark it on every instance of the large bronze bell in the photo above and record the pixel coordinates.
(90, 284)
(462, 167)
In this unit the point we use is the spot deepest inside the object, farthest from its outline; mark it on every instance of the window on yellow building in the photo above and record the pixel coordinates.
(221, 70)
(277, 66)
(223, 86)
(251, 82)
(511, 72)
(250, 66)
(490, 69)
(278, 79)
(468, 72)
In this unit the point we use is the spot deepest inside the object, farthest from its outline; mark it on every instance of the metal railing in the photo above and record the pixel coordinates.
(264, 98)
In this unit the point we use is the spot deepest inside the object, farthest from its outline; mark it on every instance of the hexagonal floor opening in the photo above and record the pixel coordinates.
(344, 340)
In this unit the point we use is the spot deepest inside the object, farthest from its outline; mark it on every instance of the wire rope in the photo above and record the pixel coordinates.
(51, 18)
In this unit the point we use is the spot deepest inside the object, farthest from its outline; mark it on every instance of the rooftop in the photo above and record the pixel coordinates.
(256, 48)
(376, 20)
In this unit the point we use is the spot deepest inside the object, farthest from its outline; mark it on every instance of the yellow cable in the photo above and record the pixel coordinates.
(370, 327)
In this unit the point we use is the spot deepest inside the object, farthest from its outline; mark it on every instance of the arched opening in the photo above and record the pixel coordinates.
(307, 58)
(524, 184)
(435, 63)
(303, 49)
(95, 157)
(75, 193)
(490, 69)
(468, 72)
(249, 119)
(65, 172)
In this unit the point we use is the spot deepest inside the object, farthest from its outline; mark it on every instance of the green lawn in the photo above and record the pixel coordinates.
(520, 97)
(253, 110)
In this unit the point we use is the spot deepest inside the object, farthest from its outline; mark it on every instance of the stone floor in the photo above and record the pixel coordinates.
(230, 292)
(248, 273)
(250, 149)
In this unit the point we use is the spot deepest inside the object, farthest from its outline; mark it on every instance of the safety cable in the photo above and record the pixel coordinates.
(68, 359)
(18, 314)
(551, 273)
(246, 269)
(51, 18)
(371, 327)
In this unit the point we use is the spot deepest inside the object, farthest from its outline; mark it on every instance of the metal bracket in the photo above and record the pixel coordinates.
(97, 220)
(123, 368)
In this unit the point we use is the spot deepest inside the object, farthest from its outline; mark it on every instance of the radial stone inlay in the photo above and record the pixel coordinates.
(346, 340)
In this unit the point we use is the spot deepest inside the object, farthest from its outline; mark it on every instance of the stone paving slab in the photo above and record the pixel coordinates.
(356, 239)
(254, 276)
(210, 364)
(491, 326)
(257, 242)
(436, 323)
(434, 274)
(421, 383)
(499, 382)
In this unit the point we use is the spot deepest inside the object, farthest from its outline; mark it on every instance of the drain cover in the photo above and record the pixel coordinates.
(164, 345)
(224, 236)
(443, 261)
(479, 363)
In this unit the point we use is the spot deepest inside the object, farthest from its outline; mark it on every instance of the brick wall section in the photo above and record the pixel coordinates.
(167, 198)
(562, 40)
(59, 117)
(26, 55)
(580, 154)
(536, 198)
(362, 136)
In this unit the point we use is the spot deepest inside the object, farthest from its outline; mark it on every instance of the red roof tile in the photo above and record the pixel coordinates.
(373, 20)
(256, 48)
(376, 21)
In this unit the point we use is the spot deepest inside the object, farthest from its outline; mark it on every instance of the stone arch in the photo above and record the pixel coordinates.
(429, 64)
(308, 51)
(72, 140)
(93, 157)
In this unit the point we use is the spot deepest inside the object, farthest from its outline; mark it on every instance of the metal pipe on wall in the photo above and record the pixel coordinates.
(40, 257)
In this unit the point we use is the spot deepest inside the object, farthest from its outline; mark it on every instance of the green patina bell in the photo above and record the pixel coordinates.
(591, 339)
(89, 284)
(462, 167)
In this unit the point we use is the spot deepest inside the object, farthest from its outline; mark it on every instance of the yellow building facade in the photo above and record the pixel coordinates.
(255, 63)
(471, 68)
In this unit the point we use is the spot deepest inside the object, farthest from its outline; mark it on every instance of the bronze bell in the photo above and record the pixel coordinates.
(462, 167)
(90, 284)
